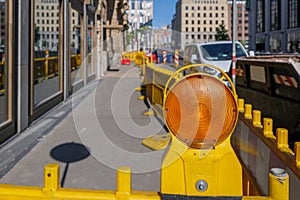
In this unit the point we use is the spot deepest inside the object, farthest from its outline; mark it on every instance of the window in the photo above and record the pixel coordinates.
(192, 21)
(199, 29)
(192, 29)
(186, 22)
(186, 8)
(204, 14)
(293, 13)
(186, 14)
(187, 29)
(187, 36)
(260, 17)
(198, 14)
(275, 15)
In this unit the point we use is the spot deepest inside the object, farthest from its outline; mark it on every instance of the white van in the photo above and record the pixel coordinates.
(215, 53)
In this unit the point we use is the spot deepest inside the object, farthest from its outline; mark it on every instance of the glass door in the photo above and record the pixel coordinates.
(7, 70)
(46, 67)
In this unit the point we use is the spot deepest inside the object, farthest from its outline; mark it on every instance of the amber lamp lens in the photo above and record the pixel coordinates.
(201, 111)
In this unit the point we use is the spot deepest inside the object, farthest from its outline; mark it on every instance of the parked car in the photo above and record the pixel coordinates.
(215, 53)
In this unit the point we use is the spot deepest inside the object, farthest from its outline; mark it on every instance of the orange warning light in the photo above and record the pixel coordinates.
(201, 111)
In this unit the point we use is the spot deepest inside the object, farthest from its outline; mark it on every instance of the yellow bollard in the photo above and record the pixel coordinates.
(257, 119)
(123, 183)
(241, 105)
(282, 140)
(268, 128)
(278, 184)
(248, 111)
(51, 177)
(297, 153)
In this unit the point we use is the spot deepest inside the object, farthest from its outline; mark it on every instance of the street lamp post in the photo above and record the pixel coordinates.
(233, 72)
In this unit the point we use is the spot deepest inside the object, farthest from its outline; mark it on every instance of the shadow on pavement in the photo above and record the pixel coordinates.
(69, 153)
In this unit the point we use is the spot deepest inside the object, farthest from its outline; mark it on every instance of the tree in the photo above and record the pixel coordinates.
(222, 33)
(37, 36)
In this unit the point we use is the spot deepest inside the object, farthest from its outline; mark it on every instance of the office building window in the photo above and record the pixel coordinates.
(260, 17)
(293, 13)
(275, 15)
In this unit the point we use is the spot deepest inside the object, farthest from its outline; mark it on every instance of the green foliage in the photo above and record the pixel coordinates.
(37, 35)
(222, 33)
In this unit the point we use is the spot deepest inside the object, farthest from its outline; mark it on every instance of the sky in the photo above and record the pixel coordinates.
(163, 12)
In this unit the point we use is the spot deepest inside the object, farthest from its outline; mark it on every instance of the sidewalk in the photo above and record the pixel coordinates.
(92, 134)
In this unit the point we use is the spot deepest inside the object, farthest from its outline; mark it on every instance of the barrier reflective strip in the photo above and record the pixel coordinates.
(285, 80)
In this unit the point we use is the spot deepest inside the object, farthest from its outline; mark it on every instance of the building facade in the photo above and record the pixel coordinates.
(242, 21)
(46, 17)
(140, 13)
(197, 20)
(274, 26)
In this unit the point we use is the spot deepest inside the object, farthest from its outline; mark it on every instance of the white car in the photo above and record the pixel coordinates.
(215, 53)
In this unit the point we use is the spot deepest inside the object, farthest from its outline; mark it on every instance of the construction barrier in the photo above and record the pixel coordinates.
(269, 82)
(259, 150)
(203, 165)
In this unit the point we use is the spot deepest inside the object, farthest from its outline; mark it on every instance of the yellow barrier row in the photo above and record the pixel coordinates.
(185, 172)
(53, 191)
(281, 133)
(44, 68)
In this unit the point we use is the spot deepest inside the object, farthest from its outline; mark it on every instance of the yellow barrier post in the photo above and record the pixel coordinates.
(46, 64)
(297, 153)
(123, 183)
(248, 111)
(241, 105)
(51, 177)
(278, 184)
(257, 119)
(268, 128)
(282, 140)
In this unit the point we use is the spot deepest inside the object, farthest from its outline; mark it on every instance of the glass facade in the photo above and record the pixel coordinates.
(275, 43)
(293, 13)
(275, 15)
(293, 42)
(260, 43)
(90, 48)
(46, 67)
(76, 68)
(4, 85)
(260, 19)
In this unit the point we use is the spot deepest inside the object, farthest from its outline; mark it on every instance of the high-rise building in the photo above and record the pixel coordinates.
(274, 26)
(46, 18)
(140, 13)
(197, 20)
(241, 21)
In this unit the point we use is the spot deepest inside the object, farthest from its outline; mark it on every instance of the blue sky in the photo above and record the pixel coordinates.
(163, 12)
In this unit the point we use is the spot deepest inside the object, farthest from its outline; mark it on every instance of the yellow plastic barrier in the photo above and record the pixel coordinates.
(53, 191)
